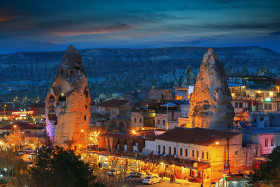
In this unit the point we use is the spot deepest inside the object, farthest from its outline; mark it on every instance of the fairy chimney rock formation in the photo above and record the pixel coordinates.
(68, 102)
(211, 99)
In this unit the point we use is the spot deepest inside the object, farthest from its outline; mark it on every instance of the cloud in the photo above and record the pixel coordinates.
(277, 33)
(7, 15)
(91, 31)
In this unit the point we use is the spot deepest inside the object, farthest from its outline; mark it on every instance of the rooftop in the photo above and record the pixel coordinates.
(113, 103)
(21, 125)
(198, 136)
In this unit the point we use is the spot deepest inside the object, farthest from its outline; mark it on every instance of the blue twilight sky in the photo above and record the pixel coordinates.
(36, 25)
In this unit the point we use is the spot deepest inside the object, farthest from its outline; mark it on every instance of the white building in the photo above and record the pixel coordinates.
(208, 147)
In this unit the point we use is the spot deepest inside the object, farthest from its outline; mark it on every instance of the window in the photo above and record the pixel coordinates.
(207, 155)
(192, 153)
(197, 153)
(181, 152)
(163, 150)
(170, 150)
(159, 149)
(135, 120)
(236, 105)
(236, 152)
(202, 154)
(240, 105)
(266, 143)
(85, 117)
(175, 151)
(163, 122)
(272, 142)
(186, 152)
(158, 121)
(140, 120)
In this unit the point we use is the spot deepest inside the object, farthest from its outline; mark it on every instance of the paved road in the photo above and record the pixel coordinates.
(162, 184)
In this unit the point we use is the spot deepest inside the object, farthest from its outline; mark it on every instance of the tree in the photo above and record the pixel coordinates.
(15, 139)
(57, 167)
(269, 172)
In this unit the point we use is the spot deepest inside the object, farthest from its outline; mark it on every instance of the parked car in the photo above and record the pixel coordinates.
(113, 172)
(151, 180)
(134, 179)
(138, 174)
(28, 150)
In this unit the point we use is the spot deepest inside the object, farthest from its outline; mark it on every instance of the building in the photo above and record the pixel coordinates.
(27, 128)
(143, 119)
(253, 94)
(212, 149)
(113, 108)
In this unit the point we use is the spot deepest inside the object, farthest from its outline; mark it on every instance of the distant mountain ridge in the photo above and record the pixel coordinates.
(123, 70)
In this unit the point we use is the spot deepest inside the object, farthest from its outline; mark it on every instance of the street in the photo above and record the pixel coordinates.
(167, 184)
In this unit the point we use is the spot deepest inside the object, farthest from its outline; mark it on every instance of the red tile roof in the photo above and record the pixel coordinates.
(198, 136)
(113, 103)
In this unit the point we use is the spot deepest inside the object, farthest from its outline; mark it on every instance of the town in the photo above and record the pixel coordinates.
(213, 130)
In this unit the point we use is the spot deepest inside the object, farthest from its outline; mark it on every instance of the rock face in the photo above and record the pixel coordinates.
(211, 100)
(68, 102)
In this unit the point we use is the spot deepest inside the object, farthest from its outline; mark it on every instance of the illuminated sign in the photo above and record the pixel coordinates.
(267, 99)
(22, 113)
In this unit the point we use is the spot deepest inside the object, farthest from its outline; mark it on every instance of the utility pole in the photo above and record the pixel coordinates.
(167, 118)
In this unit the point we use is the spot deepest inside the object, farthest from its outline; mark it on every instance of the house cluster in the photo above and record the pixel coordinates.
(204, 130)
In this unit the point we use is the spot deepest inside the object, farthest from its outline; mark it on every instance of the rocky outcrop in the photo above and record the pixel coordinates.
(211, 100)
(68, 102)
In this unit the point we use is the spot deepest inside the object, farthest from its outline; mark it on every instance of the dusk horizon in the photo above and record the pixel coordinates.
(49, 26)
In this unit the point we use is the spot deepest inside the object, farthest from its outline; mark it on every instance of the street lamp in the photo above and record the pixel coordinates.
(82, 130)
(15, 126)
(5, 110)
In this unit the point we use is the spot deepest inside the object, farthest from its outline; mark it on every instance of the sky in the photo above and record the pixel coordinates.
(36, 25)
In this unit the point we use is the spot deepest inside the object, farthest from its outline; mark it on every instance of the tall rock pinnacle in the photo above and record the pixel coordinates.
(211, 100)
(68, 102)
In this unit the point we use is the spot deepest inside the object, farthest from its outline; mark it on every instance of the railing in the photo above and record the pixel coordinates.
(254, 98)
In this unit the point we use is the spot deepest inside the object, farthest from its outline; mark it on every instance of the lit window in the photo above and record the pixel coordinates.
(197, 153)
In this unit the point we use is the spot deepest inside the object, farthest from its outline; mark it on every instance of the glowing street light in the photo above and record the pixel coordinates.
(82, 130)
(217, 143)
(15, 126)
(5, 110)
